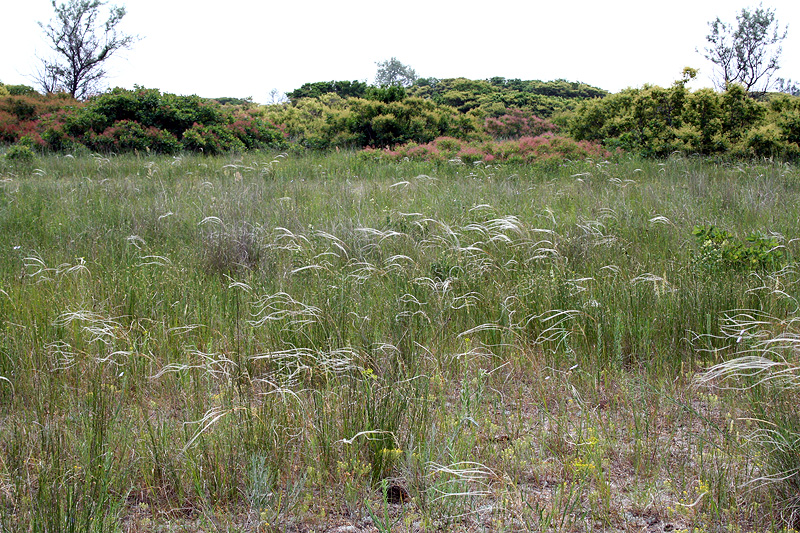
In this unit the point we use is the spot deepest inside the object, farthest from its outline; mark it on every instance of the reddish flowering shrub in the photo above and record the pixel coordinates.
(523, 150)
(12, 129)
(425, 151)
(543, 147)
(470, 154)
(518, 124)
(8, 127)
(54, 132)
(256, 133)
(30, 107)
(26, 116)
(127, 135)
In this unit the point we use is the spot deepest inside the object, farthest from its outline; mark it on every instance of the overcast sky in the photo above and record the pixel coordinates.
(246, 48)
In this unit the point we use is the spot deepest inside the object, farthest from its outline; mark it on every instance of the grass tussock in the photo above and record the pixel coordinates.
(291, 343)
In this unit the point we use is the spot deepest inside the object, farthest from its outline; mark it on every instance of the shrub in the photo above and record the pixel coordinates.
(517, 123)
(654, 121)
(8, 127)
(376, 123)
(150, 108)
(26, 115)
(127, 135)
(524, 150)
(330, 121)
(143, 119)
(20, 155)
(719, 249)
(784, 111)
(32, 141)
(388, 94)
(344, 89)
(768, 141)
(31, 106)
(257, 133)
(20, 90)
(55, 135)
(496, 96)
(211, 140)
(543, 147)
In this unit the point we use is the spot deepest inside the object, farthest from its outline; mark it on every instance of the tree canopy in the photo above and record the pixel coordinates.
(393, 72)
(82, 45)
(748, 53)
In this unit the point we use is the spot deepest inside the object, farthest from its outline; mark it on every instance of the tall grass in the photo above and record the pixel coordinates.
(269, 341)
(766, 370)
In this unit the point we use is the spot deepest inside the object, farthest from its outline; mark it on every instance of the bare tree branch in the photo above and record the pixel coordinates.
(748, 54)
(81, 47)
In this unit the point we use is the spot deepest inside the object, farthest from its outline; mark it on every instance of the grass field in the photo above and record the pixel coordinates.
(292, 343)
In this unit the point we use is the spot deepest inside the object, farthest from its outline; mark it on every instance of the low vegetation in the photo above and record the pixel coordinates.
(559, 118)
(292, 341)
(419, 305)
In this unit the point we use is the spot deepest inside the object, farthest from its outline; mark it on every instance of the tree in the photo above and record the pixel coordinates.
(747, 54)
(783, 85)
(276, 97)
(345, 89)
(393, 72)
(82, 46)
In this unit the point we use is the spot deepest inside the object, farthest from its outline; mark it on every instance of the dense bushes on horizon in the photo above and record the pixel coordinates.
(652, 121)
(16, 90)
(126, 120)
(494, 97)
(332, 121)
(657, 121)
(344, 89)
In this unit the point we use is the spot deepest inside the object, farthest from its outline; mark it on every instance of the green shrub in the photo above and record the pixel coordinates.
(388, 94)
(784, 111)
(211, 140)
(768, 141)
(344, 89)
(328, 121)
(719, 249)
(143, 119)
(654, 121)
(498, 95)
(57, 139)
(380, 124)
(151, 108)
(739, 112)
(20, 90)
(20, 154)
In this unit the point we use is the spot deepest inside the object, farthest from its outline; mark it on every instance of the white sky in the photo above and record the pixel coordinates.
(244, 48)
